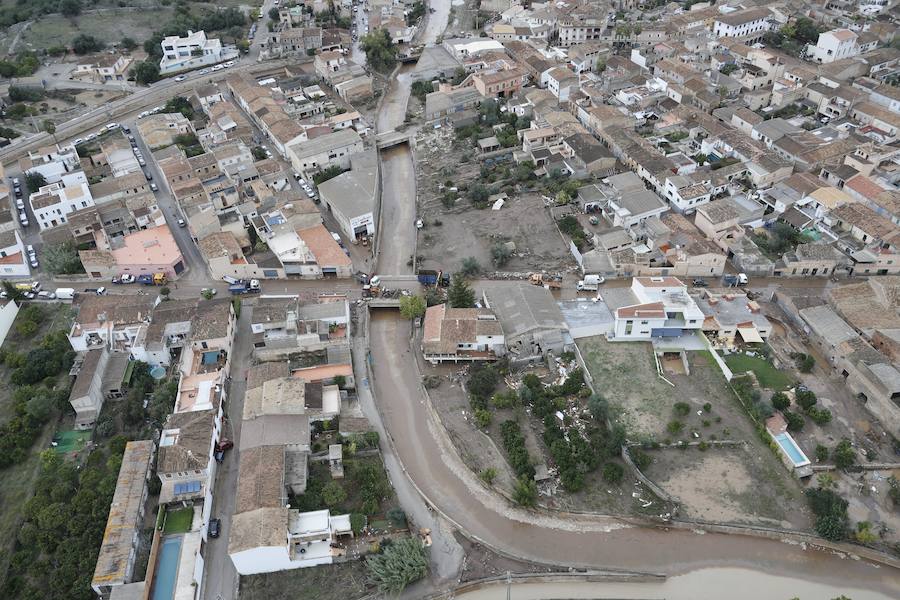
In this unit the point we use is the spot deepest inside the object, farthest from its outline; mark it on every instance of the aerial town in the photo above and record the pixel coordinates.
(434, 299)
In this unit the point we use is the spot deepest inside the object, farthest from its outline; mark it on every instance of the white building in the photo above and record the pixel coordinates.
(833, 45)
(751, 23)
(13, 259)
(684, 195)
(54, 201)
(270, 539)
(311, 156)
(661, 308)
(461, 334)
(194, 50)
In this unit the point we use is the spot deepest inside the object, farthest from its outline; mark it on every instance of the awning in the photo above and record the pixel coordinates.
(750, 335)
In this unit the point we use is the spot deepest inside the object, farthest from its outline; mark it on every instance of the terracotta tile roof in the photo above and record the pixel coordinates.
(324, 248)
(654, 310)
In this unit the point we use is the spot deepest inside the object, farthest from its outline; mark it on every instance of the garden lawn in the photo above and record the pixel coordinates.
(767, 375)
(179, 521)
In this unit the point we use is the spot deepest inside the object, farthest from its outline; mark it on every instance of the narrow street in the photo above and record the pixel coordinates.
(220, 579)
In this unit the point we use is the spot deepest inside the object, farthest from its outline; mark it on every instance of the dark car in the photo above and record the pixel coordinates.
(148, 176)
(215, 528)
(700, 283)
(219, 455)
(225, 444)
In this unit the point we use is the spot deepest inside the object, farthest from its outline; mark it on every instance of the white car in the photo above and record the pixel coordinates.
(29, 249)
(23, 219)
(154, 187)
(146, 113)
(111, 126)
(47, 295)
(204, 71)
(230, 63)
(218, 68)
(156, 109)
(180, 78)
(77, 141)
(34, 261)
(142, 162)
(90, 136)
(20, 204)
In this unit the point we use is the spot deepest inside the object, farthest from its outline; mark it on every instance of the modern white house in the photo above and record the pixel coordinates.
(662, 308)
(833, 45)
(53, 202)
(192, 51)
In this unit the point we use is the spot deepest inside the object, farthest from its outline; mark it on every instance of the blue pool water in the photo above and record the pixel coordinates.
(166, 569)
(793, 451)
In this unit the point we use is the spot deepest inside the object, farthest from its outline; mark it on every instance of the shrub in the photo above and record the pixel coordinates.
(401, 563)
(822, 453)
(820, 416)
(507, 399)
(333, 494)
(357, 522)
(682, 409)
(483, 417)
(707, 407)
(397, 516)
(830, 511)
(514, 443)
(675, 427)
(470, 267)
(613, 472)
(525, 492)
(488, 475)
(640, 458)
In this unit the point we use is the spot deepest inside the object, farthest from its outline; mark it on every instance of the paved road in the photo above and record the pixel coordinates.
(219, 576)
(198, 274)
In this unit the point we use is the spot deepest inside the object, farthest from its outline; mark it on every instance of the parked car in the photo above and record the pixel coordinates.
(77, 141)
(700, 283)
(180, 78)
(126, 129)
(230, 63)
(142, 162)
(148, 175)
(47, 295)
(219, 455)
(29, 249)
(33, 261)
(215, 528)
(146, 113)
(20, 204)
(154, 187)
(204, 71)
(181, 223)
(23, 219)
(124, 278)
(111, 126)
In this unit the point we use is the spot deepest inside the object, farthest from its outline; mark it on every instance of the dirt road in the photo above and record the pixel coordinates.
(570, 541)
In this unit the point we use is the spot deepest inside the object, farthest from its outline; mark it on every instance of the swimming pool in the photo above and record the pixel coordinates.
(793, 451)
(167, 568)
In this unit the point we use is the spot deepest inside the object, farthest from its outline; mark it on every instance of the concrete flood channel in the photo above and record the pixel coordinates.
(698, 565)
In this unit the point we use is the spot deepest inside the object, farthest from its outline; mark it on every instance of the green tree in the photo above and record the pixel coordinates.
(12, 292)
(48, 126)
(70, 8)
(844, 456)
(128, 43)
(333, 494)
(273, 13)
(84, 44)
(180, 104)
(401, 563)
(164, 291)
(830, 511)
(613, 473)
(412, 307)
(728, 69)
(326, 174)
(483, 417)
(460, 294)
(34, 180)
(488, 475)
(145, 72)
(381, 54)
(61, 258)
(806, 399)
(525, 492)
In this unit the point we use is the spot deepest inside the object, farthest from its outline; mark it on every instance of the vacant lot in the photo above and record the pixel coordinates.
(743, 484)
(345, 581)
(110, 26)
(625, 374)
(473, 232)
